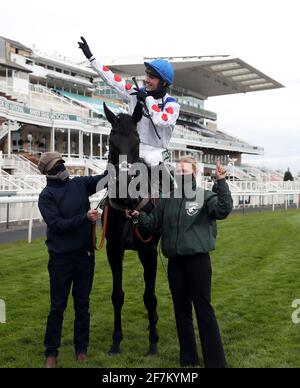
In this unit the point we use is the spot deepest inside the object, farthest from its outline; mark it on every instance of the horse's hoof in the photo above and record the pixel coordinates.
(153, 351)
(115, 350)
(113, 353)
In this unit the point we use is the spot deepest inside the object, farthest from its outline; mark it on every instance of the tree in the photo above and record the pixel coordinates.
(288, 176)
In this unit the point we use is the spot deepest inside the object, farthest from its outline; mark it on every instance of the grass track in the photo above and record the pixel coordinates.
(256, 278)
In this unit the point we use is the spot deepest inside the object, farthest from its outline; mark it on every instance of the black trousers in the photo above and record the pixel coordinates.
(65, 272)
(190, 284)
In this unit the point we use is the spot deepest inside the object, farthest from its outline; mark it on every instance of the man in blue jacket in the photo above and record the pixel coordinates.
(65, 207)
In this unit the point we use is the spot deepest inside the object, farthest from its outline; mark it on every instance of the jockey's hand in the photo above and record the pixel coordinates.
(93, 215)
(221, 173)
(85, 48)
(140, 94)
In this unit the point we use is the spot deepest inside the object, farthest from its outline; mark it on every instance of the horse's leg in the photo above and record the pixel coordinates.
(115, 258)
(148, 257)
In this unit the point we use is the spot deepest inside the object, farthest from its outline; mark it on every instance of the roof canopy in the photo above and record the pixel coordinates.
(61, 61)
(207, 76)
(16, 44)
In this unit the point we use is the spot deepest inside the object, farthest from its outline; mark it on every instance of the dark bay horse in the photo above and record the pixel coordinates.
(124, 140)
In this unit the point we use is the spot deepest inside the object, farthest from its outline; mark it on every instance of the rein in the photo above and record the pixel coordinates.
(140, 206)
(113, 205)
(144, 202)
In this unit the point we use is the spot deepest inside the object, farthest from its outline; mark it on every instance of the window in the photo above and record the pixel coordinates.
(58, 70)
(50, 67)
(28, 62)
(17, 51)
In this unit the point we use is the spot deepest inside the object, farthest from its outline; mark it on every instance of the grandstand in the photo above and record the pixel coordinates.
(60, 105)
(48, 102)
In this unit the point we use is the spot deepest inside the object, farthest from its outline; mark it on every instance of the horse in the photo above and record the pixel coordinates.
(121, 234)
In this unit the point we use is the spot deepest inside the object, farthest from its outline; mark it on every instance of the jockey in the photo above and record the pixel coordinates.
(160, 109)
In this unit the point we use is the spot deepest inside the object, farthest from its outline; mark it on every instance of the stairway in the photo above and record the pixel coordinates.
(14, 127)
(96, 166)
(239, 174)
(8, 97)
(3, 133)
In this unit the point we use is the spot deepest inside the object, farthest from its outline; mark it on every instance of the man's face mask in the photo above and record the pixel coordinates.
(59, 172)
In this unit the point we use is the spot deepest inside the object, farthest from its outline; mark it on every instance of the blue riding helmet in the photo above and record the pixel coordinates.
(163, 68)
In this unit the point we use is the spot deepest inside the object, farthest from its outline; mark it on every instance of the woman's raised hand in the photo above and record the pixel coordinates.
(221, 173)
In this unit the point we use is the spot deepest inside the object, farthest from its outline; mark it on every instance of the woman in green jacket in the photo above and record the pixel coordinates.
(188, 224)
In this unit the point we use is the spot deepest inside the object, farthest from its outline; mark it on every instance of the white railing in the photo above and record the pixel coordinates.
(29, 184)
(98, 167)
(32, 166)
(261, 193)
(239, 173)
(263, 174)
(271, 187)
(48, 100)
(25, 208)
(26, 178)
(42, 98)
(5, 88)
(48, 92)
(14, 93)
(18, 162)
(3, 133)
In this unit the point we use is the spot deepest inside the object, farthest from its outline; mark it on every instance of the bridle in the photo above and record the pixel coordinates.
(124, 167)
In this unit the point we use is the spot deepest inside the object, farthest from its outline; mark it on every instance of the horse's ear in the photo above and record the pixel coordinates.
(109, 115)
(138, 113)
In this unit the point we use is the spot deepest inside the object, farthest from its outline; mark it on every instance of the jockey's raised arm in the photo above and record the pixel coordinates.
(161, 111)
(114, 80)
(164, 117)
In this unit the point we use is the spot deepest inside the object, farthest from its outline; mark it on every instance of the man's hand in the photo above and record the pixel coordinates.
(221, 173)
(93, 215)
(140, 94)
(132, 214)
(85, 48)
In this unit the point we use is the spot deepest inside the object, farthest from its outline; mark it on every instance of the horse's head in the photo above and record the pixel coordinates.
(124, 138)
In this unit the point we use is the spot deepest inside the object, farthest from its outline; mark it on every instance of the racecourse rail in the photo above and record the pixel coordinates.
(17, 207)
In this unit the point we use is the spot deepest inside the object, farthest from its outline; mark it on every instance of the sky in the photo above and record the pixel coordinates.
(264, 33)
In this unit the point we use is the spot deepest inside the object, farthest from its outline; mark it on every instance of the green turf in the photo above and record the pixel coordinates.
(256, 278)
